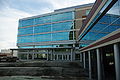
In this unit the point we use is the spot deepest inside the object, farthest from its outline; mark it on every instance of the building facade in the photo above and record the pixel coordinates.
(5, 51)
(100, 41)
(51, 36)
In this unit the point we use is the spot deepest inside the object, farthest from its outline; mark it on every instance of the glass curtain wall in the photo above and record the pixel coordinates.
(107, 24)
(54, 27)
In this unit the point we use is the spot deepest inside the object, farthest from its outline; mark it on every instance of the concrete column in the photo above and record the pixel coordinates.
(81, 57)
(47, 56)
(72, 55)
(62, 57)
(54, 57)
(99, 70)
(51, 54)
(67, 57)
(90, 77)
(57, 56)
(84, 60)
(32, 56)
(117, 61)
(27, 56)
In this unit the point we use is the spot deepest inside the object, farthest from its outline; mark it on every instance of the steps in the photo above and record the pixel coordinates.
(43, 68)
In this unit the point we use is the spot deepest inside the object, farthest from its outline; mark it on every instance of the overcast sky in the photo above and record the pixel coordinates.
(13, 10)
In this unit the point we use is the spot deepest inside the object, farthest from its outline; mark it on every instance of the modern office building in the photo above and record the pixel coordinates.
(100, 41)
(51, 36)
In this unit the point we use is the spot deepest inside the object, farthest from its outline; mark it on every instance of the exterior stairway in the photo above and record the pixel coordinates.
(45, 69)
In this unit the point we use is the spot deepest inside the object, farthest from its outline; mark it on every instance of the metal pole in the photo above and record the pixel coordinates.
(89, 65)
(117, 61)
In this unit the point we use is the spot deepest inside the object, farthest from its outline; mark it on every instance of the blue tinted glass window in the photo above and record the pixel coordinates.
(27, 22)
(107, 24)
(42, 37)
(23, 31)
(62, 36)
(62, 16)
(42, 28)
(25, 39)
(46, 46)
(87, 11)
(43, 20)
(62, 26)
(26, 47)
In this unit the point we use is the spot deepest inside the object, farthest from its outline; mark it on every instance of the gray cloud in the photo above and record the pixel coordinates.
(31, 6)
(9, 25)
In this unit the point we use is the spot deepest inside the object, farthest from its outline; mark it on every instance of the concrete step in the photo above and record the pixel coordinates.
(64, 69)
(41, 78)
(42, 64)
(42, 71)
